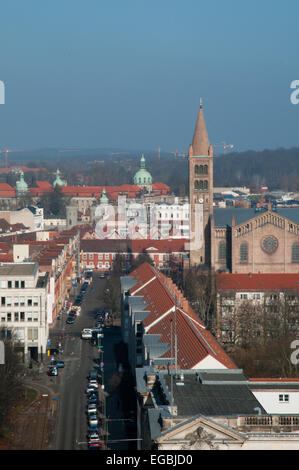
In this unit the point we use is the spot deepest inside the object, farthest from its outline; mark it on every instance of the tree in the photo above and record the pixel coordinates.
(143, 257)
(11, 380)
(200, 290)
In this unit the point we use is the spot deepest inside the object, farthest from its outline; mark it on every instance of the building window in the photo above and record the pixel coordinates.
(295, 253)
(284, 398)
(32, 334)
(17, 284)
(2, 284)
(269, 244)
(29, 316)
(9, 284)
(29, 302)
(9, 316)
(222, 251)
(243, 253)
(22, 315)
(22, 284)
(16, 316)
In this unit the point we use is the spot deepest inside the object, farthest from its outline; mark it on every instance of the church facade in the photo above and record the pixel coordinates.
(237, 240)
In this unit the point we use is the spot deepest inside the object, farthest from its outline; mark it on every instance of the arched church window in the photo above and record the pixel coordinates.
(222, 251)
(201, 184)
(196, 169)
(243, 253)
(205, 184)
(205, 169)
(295, 252)
(196, 184)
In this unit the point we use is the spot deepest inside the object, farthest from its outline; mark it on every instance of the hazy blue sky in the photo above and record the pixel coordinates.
(130, 73)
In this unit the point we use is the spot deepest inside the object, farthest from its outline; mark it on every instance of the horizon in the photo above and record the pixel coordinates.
(131, 76)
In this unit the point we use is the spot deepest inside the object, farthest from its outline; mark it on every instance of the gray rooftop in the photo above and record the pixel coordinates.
(192, 397)
(18, 269)
(223, 217)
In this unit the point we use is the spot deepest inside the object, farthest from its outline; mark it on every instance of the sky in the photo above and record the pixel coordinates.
(129, 74)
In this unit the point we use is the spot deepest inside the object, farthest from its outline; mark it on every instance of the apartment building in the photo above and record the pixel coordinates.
(25, 309)
(244, 300)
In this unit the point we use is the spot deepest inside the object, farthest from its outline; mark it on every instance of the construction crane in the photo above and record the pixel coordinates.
(6, 152)
(224, 145)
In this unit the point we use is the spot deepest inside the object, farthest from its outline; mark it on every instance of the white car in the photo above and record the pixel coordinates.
(92, 408)
(86, 333)
(93, 420)
(93, 383)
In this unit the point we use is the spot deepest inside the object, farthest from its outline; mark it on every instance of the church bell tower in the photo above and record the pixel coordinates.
(200, 158)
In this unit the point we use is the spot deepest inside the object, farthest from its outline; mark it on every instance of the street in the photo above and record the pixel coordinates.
(80, 356)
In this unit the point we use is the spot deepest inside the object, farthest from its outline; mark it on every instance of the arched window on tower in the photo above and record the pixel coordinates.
(222, 251)
(205, 184)
(201, 184)
(244, 253)
(295, 252)
(205, 169)
(196, 168)
(196, 184)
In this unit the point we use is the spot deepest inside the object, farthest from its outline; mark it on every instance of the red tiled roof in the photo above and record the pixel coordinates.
(257, 282)
(161, 295)
(277, 379)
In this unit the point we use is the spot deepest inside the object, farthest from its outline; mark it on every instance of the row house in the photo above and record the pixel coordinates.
(160, 327)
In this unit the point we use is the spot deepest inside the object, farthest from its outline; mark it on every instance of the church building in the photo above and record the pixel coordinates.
(237, 240)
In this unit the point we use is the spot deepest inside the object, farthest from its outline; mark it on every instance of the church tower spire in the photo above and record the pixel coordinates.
(200, 143)
(200, 158)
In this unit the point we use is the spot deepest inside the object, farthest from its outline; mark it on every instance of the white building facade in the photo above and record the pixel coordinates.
(24, 309)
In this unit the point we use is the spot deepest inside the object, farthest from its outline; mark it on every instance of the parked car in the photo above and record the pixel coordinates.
(53, 371)
(94, 446)
(57, 363)
(93, 429)
(93, 383)
(92, 398)
(91, 407)
(70, 320)
(86, 333)
(90, 389)
(93, 374)
(93, 420)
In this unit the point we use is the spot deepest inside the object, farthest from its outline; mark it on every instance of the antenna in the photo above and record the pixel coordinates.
(171, 374)
(175, 337)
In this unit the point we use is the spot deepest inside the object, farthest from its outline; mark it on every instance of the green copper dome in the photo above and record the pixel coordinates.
(58, 181)
(21, 185)
(104, 199)
(142, 177)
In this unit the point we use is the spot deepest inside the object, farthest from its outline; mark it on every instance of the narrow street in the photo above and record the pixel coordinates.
(80, 356)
